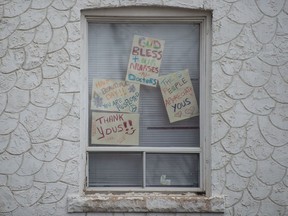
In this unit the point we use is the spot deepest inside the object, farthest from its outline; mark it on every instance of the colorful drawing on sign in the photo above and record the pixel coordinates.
(115, 95)
(178, 95)
(145, 59)
(115, 128)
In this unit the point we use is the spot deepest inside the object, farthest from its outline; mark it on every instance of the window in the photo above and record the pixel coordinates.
(170, 156)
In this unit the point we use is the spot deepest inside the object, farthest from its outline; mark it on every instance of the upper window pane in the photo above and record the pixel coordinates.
(109, 48)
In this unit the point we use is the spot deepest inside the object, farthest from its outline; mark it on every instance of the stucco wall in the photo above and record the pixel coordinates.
(39, 103)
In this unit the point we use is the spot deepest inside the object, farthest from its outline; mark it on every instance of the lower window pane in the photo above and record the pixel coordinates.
(115, 170)
(172, 170)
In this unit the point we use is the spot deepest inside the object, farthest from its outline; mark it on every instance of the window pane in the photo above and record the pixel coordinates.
(172, 170)
(110, 45)
(115, 169)
(155, 129)
(109, 50)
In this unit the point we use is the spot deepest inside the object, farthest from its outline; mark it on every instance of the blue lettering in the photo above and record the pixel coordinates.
(131, 77)
(152, 81)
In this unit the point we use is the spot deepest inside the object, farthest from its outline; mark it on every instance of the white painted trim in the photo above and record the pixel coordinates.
(205, 105)
(141, 189)
(144, 149)
(144, 170)
(208, 107)
(83, 103)
(153, 15)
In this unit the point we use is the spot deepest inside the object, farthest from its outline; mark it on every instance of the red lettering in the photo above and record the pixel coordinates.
(142, 52)
(132, 66)
(108, 131)
(121, 117)
(148, 53)
(135, 51)
(100, 130)
(159, 55)
(155, 54)
(120, 127)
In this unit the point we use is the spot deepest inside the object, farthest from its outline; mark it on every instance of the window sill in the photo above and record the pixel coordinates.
(145, 202)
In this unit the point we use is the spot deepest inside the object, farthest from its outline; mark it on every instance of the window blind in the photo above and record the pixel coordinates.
(109, 48)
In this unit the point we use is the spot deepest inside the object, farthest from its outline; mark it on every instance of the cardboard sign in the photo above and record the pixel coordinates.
(145, 59)
(178, 95)
(115, 95)
(115, 128)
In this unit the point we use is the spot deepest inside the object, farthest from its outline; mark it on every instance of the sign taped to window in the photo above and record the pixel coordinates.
(178, 95)
(115, 128)
(115, 95)
(145, 60)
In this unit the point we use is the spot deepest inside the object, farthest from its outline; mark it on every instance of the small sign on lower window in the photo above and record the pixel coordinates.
(115, 128)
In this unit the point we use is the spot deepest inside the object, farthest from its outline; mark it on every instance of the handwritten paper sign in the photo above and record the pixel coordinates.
(145, 59)
(115, 95)
(115, 128)
(178, 95)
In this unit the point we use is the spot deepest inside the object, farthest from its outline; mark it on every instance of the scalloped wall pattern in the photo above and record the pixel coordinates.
(39, 103)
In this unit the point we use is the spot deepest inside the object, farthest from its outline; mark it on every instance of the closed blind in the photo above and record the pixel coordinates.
(115, 169)
(109, 50)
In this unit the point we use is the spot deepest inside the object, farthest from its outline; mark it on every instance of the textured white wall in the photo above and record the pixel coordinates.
(39, 103)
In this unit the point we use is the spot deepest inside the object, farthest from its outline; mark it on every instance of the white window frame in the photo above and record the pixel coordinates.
(150, 15)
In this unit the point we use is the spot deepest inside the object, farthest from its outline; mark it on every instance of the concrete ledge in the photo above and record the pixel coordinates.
(145, 202)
